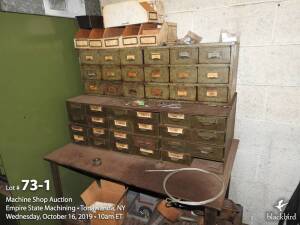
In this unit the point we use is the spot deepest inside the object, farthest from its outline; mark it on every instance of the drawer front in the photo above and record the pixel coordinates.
(109, 57)
(97, 121)
(124, 146)
(111, 88)
(132, 73)
(208, 137)
(157, 91)
(76, 112)
(90, 72)
(175, 118)
(156, 56)
(79, 139)
(213, 74)
(184, 55)
(143, 127)
(209, 123)
(131, 56)
(148, 117)
(207, 152)
(92, 87)
(176, 157)
(121, 136)
(213, 93)
(183, 92)
(78, 129)
(88, 57)
(111, 73)
(173, 144)
(214, 54)
(183, 74)
(157, 74)
(100, 142)
(146, 142)
(98, 132)
(174, 132)
(121, 124)
(134, 90)
(93, 109)
(119, 113)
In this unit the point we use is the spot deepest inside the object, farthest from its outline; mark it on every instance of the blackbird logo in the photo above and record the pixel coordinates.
(280, 205)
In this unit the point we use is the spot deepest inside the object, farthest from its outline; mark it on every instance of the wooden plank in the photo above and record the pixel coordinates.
(130, 170)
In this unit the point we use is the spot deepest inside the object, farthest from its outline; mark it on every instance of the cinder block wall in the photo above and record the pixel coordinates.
(267, 166)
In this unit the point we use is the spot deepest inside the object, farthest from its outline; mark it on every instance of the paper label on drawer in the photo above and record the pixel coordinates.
(120, 135)
(98, 131)
(78, 138)
(130, 41)
(175, 155)
(121, 145)
(108, 58)
(97, 119)
(176, 116)
(121, 123)
(147, 151)
(93, 87)
(132, 74)
(82, 43)
(175, 130)
(110, 73)
(144, 126)
(183, 75)
(89, 58)
(130, 57)
(155, 56)
(148, 40)
(155, 74)
(152, 16)
(111, 42)
(144, 114)
(182, 93)
(156, 91)
(212, 75)
(95, 43)
(96, 108)
(211, 93)
(77, 128)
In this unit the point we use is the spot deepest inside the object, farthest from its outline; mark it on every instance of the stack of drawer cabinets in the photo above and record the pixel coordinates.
(160, 129)
(205, 73)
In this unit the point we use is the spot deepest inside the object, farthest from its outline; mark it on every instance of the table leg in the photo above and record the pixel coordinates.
(210, 216)
(227, 191)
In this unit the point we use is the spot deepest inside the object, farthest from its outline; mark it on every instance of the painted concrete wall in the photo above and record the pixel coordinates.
(267, 166)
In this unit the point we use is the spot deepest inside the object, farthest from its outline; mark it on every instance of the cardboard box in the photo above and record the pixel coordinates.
(107, 202)
(81, 38)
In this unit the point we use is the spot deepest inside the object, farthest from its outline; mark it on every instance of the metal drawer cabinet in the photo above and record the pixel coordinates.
(111, 73)
(90, 72)
(213, 74)
(184, 55)
(131, 56)
(132, 73)
(157, 91)
(157, 55)
(179, 119)
(157, 73)
(88, 56)
(208, 136)
(213, 93)
(214, 54)
(199, 150)
(209, 122)
(133, 89)
(177, 157)
(183, 74)
(146, 146)
(109, 57)
(185, 92)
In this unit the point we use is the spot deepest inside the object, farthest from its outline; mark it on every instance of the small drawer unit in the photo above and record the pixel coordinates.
(133, 73)
(208, 122)
(111, 73)
(157, 73)
(92, 87)
(183, 74)
(95, 109)
(157, 91)
(214, 54)
(177, 157)
(210, 152)
(148, 117)
(179, 119)
(124, 124)
(97, 120)
(213, 93)
(87, 56)
(113, 88)
(184, 55)
(90, 72)
(76, 112)
(109, 57)
(213, 74)
(171, 131)
(100, 142)
(134, 89)
(172, 144)
(98, 132)
(187, 92)
(146, 146)
(121, 141)
(79, 133)
(131, 56)
(208, 136)
(157, 55)
(145, 127)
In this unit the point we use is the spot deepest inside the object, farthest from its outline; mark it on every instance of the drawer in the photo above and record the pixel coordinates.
(98, 132)
(119, 113)
(133, 89)
(175, 118)
(183, 92)
(157, 91)
(213, 74)
(109, 57)
(131, 56)
(93, 109)
(170, 131)
(146, 128)
(148, 117)
(111, 73)
(100, 142)
(121, 124)
(173, 144)
(157, 56)
(90, 72)
(207, 152)
(92, 87)
(76, 112)
(111, 88)
(157, 74)
(88, 57)
(78, 129)
(132, 73)
(146, 146)
(214, 54)
(97, 121)
(177, 157)
(213, 93)
(121, 135)
(208, 136)
(79, 139)
(184, 55)
(209, 123)
(183, 74)
(124, 146)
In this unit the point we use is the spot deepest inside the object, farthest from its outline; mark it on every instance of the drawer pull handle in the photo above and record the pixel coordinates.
(146, 151)
(121, 145)
(176, 156)
(184, 54)
(212, 75)
(144, 126)
(130, 57)
(183, 75)
(93, 87)
(155, 56)
(211, 93)
(208, 123)
(108, 58)
(156, 92)
(98, 131)
(110, 73)
(206, 136)
(205, 152)
(175, 131)
(132, 74)
(176, 116)
(91, 75)
(76, 128)
(89, 58)
(144, 114)
(97, 119)
(120, 135)
(182, 93)
(214, 55)
(78, 138)
(96, 108)
(120, 123)
(155, 74)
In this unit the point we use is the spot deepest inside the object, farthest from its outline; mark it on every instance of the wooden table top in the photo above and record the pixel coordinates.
(130, 170)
